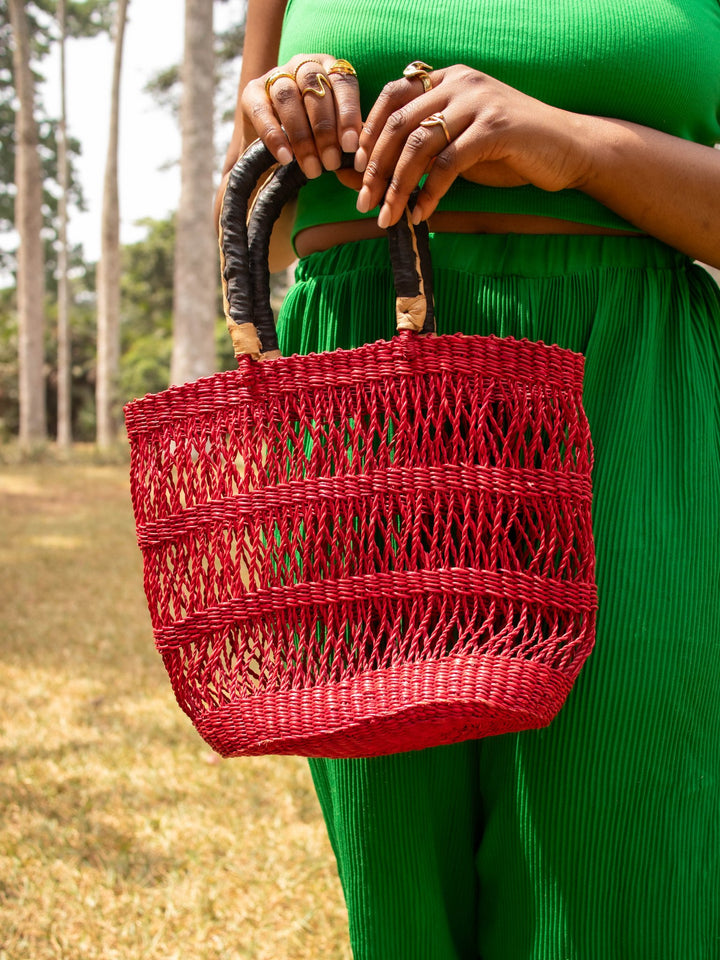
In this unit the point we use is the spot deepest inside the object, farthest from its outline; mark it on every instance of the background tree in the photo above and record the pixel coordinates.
(108, 342)
(196, 258)
(28, 223)
(64, 386)
(85, 18)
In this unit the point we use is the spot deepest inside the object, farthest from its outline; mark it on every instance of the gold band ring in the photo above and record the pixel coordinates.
(302, 64)
(419, 70)
(437, 120)
(344, 68)
(276, 76)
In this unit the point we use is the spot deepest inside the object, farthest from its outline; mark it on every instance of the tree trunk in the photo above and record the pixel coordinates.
(196, 256)
(28, 223)
(64, 379)
(108, 281)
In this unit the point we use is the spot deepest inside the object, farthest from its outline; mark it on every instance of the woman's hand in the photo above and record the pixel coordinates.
(468, 124)
(308, 108)
(478, 128)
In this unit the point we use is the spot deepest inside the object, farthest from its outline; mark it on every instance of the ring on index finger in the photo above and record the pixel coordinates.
(278, 75)
(420, 71)
(437, 120)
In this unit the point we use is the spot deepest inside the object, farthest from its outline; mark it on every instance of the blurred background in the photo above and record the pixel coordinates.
(121, 834)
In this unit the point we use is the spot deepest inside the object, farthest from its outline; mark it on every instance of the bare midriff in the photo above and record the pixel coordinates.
(326, 235)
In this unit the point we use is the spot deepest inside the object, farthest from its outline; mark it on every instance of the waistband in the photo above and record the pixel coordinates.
(524, 255)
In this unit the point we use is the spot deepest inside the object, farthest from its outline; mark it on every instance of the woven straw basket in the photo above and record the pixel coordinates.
(364, 551)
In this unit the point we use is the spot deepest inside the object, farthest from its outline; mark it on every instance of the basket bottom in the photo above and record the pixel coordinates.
(407, 707)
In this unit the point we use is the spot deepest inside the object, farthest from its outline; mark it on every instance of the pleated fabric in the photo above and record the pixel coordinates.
(597, 838)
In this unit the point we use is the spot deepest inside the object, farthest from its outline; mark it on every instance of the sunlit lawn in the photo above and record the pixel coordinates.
(122, 835)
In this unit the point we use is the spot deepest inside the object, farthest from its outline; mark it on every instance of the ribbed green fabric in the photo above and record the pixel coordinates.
(598, 838)
(653, 62)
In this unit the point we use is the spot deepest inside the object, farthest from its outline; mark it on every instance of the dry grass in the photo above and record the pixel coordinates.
(122, 835)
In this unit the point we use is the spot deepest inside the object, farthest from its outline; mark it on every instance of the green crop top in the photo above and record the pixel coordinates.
(654, 62)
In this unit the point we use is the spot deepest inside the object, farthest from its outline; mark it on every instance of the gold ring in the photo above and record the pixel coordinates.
(344, 68)
(276, 76)
(418, 69)
(302, 64)
(437, 120)
(320, 92)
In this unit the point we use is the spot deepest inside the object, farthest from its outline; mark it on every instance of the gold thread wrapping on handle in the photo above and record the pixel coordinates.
(411, 312)
(245, 339)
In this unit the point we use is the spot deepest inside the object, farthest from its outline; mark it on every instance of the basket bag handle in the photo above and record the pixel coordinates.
(244, 255)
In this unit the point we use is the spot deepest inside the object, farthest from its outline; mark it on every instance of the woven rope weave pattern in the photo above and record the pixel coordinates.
(345, 553)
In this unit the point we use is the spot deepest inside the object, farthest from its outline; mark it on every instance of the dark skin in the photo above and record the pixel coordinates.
(665, 186)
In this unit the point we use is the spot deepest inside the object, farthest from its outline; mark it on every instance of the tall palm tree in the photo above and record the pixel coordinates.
(28, 223)
(108, 286)
(195, 283)
(64, 406)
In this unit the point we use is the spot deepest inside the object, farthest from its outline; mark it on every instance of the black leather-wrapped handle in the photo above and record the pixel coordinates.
(282, 187)
(238, 293)
(244, 254)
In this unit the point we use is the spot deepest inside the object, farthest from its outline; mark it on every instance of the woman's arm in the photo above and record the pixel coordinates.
(260, 53)
(665, 186)
(308, 108)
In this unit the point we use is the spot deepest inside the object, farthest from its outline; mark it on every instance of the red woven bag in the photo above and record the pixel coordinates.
(364, 551)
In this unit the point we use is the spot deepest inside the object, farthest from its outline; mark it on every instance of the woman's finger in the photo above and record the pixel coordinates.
(423, 146)
(400, 126)
(345, 87)
(318, 105)
(446, 168)
(287, 105)
(417, 80)
(258, 108)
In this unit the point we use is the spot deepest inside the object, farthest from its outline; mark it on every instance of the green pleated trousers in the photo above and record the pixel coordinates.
(597, 838)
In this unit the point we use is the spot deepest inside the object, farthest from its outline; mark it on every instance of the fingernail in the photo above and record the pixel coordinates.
(331, 158)
(349, 141)
(417, 214)
(360, 160)
(284, 156)
(384, 218)
(312, 167)
(363, 200)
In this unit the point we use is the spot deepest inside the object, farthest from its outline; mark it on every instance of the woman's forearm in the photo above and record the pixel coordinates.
(666, 186)
(260, 53)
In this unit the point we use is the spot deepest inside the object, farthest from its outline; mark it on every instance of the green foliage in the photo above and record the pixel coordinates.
(8, 365)
(146, 306)
(82, 354)
(163, 87)
(146, 314)
(147, 281)
(146, 311)
(88, 18)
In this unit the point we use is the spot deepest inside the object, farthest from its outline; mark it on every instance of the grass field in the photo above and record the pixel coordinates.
(122, 835)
